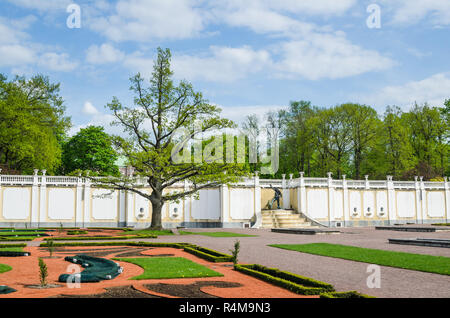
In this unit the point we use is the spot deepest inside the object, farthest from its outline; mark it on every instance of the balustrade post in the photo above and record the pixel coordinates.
(345, 200)
(257, 202)
(43, 199)
(330, 200)
(423, 197)
(391, 200)
(419, 211)
(447, 199)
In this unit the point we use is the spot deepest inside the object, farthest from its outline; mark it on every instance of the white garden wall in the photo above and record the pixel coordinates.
(41, 201)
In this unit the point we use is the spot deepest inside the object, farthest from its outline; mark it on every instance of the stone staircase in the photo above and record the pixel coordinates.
(284, 219)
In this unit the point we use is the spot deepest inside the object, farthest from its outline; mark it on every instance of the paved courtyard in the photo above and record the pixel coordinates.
(343, 274)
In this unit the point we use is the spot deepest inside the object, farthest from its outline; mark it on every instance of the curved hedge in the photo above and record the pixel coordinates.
(209, 255)
(13, 254)
(295, 283)
(95, 269)
(349, 294)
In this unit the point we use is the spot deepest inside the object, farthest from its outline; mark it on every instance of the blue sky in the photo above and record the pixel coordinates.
(247, 56)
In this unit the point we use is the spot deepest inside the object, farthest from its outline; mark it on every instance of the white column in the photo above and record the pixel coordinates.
(301, 194)
(187, 203)
(79, 202)
(130, 207)
(330, 199)
(424, 200)
(287, 193)
(391, 200)
(419, 211)
(35, 199)
(43, 198)
(257, 200)
(87, 203)
(345, 199)
(447, 199)
(224, 204)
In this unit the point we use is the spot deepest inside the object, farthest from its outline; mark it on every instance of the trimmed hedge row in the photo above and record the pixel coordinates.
(13, 254)
(20, 239)
(13, 245)
(209, 255)
(141, 244)
(76, 232)
(295, 283)
(99, 238)
(349, 294)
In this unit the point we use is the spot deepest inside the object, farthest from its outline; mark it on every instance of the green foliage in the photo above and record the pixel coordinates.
(354, 140)
(43, 272)
(90, 149)
(208, 254)
(50, 247)
(77, 232)
(99, 238)
(5, 268)
(235, 251)
(349, 294)
(295, 283)
(159, 124)
(32, 124)
(418, 262)
(169, 267)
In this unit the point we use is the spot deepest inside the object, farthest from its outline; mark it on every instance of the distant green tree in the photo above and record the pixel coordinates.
(90, 149)
(32, 123)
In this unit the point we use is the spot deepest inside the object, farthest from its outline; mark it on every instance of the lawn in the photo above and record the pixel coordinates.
(169, 267)
(11, 249)
(216, 234)
(148, 232)
(418, 262)
(4, 268)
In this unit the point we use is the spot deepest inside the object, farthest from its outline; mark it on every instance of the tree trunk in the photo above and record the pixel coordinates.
(156, 215)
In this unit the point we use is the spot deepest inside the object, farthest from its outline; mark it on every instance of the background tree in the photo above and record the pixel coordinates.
(160, 112)
(90, 149)
(32, 124)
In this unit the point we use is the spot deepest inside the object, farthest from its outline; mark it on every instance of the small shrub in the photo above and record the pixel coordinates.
(50, 247)
(43, 273)
(235, 251)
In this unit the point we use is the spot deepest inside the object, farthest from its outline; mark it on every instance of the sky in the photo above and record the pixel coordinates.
(247, 56)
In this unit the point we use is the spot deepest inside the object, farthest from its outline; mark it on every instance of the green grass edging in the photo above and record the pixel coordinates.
(348, 295)
(418, 262)
(138, 244)
(98, 238)
(169, 268)
(295, 283)
(12, 245)
(4, 268)
(216, 234)
(208, 254)
(16, 239)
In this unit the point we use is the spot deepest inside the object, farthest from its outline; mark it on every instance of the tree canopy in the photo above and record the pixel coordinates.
(32, 123)
(90, 149)
(166, 123)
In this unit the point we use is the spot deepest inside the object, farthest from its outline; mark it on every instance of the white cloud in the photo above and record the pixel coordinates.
(329, 56)
(42, 5)
(15, 55)
(408, 12)
(57, 62)
(106, 53)
(433, 90)
(224, 64)
(146, 20)
(89, 109)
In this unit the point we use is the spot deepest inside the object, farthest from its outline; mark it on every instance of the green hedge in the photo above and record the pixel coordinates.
(76, 232)
(349, 294)
(142, 244)
(209, 255)
(99, 238)
(20, 239)
(295, 283)
(13, 245)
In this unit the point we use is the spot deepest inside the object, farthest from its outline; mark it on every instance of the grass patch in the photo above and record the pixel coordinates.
(217, 234)
(441, 224)
(5, 268)
(11, 249)
(19, 239)
(147, 232)
(26, 233)
(169, 267)
(418, 262)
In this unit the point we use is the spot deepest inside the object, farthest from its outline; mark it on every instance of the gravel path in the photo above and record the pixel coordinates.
(343, 274)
